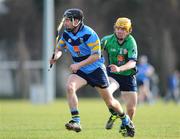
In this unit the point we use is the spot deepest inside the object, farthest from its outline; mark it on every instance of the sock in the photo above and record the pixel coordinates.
(75, 115)
(124, 118)
(112, 111)
(122, 115)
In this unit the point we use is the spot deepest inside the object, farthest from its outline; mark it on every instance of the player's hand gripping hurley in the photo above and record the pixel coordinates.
(57, 42)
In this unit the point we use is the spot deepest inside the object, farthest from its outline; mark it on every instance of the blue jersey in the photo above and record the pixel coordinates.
(81, 45)
(142, 72)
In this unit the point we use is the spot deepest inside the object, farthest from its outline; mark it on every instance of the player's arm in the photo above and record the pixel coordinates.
(57, 53)
(92, 58)
(95, 47)
(129, 65)
(89, 60)
(132, 57)
(103, 45)
(95, 53)
(94, 44)
(104, 51)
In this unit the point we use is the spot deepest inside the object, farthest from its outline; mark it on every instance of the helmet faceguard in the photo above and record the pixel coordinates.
(124, 23)
(73, 14)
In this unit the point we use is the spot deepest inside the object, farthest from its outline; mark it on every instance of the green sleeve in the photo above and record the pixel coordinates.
(103, 43)
(132, 52)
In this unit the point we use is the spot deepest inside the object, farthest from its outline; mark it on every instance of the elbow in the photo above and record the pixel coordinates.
(96, 57)
(133, 63)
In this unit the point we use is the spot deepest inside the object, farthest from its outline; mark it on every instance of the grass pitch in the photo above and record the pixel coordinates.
(20, 119)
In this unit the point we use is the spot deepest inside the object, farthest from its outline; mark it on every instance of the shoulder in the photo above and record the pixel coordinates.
(107, 40)
(107, 37)
(88, 30)
(131, 38)
(89, 34)
(131, 41)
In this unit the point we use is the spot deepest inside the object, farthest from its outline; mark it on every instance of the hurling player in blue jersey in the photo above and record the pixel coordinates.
(88, 66)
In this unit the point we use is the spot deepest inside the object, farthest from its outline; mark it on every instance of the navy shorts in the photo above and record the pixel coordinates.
(126, 83)
(96, 78)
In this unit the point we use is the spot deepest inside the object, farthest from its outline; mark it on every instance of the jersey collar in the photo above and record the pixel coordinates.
(123, 41)
(80, 28)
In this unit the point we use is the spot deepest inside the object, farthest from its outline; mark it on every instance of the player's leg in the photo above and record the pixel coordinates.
(110, 101)
(113, 104)
(99, 79)
(141, 95)
(128, 91)
(148, 94)
(144, 92)
(113, 86)
(73, 84)
(130, 100)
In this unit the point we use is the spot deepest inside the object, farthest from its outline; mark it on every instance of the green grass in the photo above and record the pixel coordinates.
(22, 120)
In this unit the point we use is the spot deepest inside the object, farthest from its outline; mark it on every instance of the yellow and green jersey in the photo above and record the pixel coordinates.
(120, 54)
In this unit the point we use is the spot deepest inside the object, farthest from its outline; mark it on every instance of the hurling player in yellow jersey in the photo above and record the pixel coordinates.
(121, 51)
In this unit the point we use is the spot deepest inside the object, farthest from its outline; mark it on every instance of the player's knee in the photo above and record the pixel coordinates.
(108, 102)
(111, 102)
(131, 110)
(70, 88)
(109, 105)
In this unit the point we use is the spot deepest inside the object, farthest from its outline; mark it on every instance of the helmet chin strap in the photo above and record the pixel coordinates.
(71, 30)
(74, 23)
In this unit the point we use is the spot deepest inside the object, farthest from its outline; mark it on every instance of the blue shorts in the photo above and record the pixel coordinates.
(140, 83)
(126, 83)
(96, 78)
